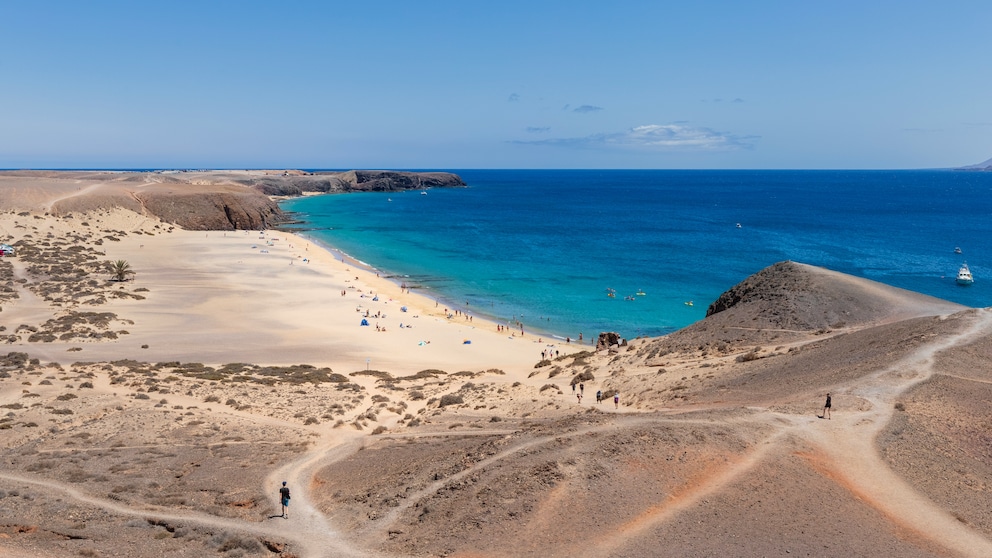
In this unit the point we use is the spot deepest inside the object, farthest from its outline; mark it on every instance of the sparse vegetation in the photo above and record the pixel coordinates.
(451, 399)
(121, 270)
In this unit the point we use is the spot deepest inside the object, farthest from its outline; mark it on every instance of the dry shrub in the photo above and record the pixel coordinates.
(235, 541)
(749, 357)
(585, 376)
(451, 399)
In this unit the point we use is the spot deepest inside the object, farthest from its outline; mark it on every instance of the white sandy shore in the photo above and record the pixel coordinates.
(268, 298)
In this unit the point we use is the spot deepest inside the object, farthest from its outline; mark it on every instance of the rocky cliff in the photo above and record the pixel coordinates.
(296, 184)
(214, 210)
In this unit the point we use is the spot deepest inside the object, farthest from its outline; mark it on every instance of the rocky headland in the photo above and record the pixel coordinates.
(198, 200)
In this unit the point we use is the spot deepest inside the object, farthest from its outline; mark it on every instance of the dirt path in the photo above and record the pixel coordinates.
(271, 530)
(306, 523)
(81, 192)
(676, 503)
(844, 450)
(847, 448)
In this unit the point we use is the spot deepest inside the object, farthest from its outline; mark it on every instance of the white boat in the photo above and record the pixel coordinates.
(964, 275)
(957, 249)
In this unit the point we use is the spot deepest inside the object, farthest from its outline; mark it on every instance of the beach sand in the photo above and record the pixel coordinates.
(158, 416)
(266, 297)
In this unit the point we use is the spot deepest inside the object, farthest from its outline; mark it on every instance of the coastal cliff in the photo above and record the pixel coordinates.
(296, 184)
(198, 200)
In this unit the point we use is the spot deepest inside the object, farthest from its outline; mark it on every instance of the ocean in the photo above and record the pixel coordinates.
(548, 247)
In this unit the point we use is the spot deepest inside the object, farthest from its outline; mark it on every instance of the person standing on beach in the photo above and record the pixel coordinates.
(826, 408)
(599, 396)
(616, 400)
(582, 389)
(284, 496)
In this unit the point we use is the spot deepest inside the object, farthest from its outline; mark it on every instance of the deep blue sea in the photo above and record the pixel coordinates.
(544, 246)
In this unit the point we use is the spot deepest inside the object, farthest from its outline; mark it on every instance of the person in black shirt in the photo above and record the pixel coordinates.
(284, 496)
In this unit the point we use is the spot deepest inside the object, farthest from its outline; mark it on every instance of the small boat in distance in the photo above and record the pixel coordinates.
(964, 275)
(957, 249)
(423, 192)
(641, 293)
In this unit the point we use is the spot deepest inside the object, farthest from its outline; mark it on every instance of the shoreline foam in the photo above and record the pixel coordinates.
(396, 279)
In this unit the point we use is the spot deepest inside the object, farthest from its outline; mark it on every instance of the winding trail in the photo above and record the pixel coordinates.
(78, 193)
(844, 449)
(272, 531)
(847, 447)
(306, 524)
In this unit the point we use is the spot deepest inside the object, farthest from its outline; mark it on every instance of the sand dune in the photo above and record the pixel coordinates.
(158, 416)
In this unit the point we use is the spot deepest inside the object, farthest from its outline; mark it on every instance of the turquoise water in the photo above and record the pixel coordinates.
(544, 246)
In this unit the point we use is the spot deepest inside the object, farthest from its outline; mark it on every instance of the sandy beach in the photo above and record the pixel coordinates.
(158, 416)
(268, 297)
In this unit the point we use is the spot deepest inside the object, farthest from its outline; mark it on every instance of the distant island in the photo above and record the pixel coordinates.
(985, 165)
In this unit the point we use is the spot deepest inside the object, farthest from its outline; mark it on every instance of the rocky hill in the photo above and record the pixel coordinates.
(788, 301)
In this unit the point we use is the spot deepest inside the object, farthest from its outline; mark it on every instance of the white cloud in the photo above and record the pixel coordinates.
(668, 137)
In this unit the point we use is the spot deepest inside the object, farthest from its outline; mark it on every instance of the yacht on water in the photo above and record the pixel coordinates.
(964, 275)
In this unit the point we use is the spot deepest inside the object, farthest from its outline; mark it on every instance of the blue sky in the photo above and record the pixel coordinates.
(461, 84)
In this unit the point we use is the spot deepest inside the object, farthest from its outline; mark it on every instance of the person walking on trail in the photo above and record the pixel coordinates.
(582, 389)
(616, 400)
(826, 408)
(599, 396)
(284, 496)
